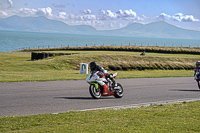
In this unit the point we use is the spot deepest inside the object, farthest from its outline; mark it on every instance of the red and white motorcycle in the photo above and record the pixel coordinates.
(101, 86)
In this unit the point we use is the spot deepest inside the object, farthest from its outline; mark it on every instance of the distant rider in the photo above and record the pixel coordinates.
(94, 67)
(197, 70)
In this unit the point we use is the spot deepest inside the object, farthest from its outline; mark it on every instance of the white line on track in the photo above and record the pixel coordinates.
(145, 104)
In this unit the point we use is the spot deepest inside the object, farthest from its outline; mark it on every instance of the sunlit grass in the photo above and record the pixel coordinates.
(178, 118)
(16, 67)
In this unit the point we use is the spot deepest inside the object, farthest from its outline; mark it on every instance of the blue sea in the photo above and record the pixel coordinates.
(14, 40)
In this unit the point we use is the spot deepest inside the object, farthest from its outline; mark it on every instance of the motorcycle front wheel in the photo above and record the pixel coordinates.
(95, 93)
(119, 92)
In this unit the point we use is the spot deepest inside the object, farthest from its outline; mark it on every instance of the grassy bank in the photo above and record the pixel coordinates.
(16, 67)
(177, 118)
(130, 60)
(152, 49)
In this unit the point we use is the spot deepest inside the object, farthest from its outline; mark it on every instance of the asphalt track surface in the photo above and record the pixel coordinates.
(29, 98)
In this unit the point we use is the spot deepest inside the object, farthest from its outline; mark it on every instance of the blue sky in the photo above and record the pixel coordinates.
(108, 14)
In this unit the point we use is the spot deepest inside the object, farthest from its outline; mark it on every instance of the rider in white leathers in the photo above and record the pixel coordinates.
(94, 67)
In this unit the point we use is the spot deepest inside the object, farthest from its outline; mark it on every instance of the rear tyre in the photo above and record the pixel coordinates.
(119, 92)
(95, 93)
(198, 84)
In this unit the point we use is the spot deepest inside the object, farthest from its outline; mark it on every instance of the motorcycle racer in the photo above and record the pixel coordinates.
(197, 70)
(101, 84)
(94, 67)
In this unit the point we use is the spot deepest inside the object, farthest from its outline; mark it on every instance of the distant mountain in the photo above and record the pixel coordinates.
(156, 29)
(42, 24)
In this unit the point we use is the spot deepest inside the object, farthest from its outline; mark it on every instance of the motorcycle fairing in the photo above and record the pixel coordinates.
(95, 84)
(198, 79)
(114, 75)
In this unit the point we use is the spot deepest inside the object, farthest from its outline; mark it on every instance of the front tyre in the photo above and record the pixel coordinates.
(119, 91)
(95, 93)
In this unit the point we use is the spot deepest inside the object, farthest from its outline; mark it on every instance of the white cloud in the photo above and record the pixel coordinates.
(178, 17)
(116, 25)
(62, 15)
(27, 12)
(74, 17)
(189, 18)
(44, 12)
(164, 16)
(142, 17)
(88, 11)
(94, 23)
(89, 17)
(10, 2)
(126, 14)
(178, 14)
(3, 13)
(4, 4)
(108, 14)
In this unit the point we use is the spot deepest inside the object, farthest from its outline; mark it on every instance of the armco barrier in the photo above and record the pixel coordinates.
(39, 56)
(34, 56)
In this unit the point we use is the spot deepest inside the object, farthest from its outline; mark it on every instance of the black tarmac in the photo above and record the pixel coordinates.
(29, 98)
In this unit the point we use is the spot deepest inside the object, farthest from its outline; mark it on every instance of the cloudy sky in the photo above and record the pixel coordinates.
(108, 14)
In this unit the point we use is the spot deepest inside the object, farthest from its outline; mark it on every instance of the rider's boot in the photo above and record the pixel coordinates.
(105, 90)
(114, 84)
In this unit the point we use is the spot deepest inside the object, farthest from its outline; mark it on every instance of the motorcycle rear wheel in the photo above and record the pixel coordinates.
(198, 84)
(95, 93)
(119, 92)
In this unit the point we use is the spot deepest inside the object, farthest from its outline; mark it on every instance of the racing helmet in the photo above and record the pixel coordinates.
(198, 64)
(93, 65)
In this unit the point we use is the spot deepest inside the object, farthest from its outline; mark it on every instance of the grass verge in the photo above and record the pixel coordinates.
(180, 117)
(53, 75)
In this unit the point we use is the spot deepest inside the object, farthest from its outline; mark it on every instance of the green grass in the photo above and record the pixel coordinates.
(129, 59)
(17, 67)
(176, 118)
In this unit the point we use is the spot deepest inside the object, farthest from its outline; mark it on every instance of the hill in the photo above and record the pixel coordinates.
(156, 29)
(42, 24)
